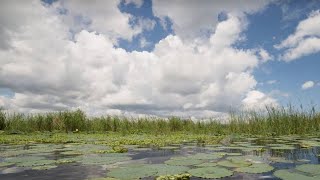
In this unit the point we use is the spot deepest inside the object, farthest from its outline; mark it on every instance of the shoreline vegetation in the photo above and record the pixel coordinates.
(76, 127)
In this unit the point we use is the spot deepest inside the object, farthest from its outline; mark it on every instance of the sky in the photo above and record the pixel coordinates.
(158, 57)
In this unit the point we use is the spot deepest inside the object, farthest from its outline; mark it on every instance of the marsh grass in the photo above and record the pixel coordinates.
(271, 122)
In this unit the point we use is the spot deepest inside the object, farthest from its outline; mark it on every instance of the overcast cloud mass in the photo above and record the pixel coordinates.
(67, 54)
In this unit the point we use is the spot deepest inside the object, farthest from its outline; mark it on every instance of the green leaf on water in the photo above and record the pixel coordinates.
(313, 169)
(210, 172)
(280, 160)
(288, 175)
(204, 156)
(283, 147)
(207, 164)
(183, 161)
(5, 164)
(42, 162)
(255, 168)
(46, 167)
(163, 169)
(227, 163)
(129, 173)
(104, 159)
(20, 159)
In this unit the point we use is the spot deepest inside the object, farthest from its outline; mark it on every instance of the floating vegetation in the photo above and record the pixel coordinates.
(45, 167)
(227, 163)
(163, 169)
(42, 162)
(313, 169)
(210, 172)
(104, 159)
(129, 173)
(207, 164)
(183, 161)
(280, 160)
(117, 149)
(248, 158)
(289, 175)
(204, 156)
(175, 177)
(283, 147)
(110, 155)
(255, 168)
(4, 164)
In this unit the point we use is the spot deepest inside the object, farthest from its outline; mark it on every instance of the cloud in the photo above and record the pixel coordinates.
(48, 70)
(137, 3)
(191, 19)
(272, 82)
(257, 100)
(265, 56)
(103, 17)
(304, 41)
(144, 43)
(307, 85)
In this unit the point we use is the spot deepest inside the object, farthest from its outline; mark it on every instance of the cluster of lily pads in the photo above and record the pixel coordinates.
(242, 155)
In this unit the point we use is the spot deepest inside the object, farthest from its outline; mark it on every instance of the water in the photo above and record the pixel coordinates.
(280, 153)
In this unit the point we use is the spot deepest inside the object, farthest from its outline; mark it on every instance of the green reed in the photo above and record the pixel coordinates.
(268, 122)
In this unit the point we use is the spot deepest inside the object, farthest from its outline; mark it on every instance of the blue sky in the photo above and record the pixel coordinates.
(185, 58)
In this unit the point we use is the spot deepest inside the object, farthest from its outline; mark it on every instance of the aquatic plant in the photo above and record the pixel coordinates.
(175, 177)
(272, 122)
(183, 161)
(129, 173)
(255, 168)
(45, 167)
(291, 175)
(313, 169)
(210, 172)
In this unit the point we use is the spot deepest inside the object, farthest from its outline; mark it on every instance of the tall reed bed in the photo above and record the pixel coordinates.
(272, 121)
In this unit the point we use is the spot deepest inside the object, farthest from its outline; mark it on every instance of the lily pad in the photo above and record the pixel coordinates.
(46, 167)
(104, 159)
(233, 154)
(129, 173)
(163, 169)
(183, 161)
(280, 160)
(255, 168)
(20, 159)
(287, 175)
(5, 164)
(248, 158)
(283, 147)
(210, 172)
(205, 156)
(226, 163)
(42, 162)
(174, 177)
(313, 169)
(207, 164)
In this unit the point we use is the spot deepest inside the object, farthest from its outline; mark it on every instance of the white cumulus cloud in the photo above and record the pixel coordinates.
(48, 70)
(193, 18)
(307, 85)
(304, 41)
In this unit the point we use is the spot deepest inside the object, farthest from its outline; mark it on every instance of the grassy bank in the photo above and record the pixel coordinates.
(273, 121)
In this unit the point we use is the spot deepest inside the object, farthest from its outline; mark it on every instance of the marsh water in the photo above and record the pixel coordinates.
(90, 161)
